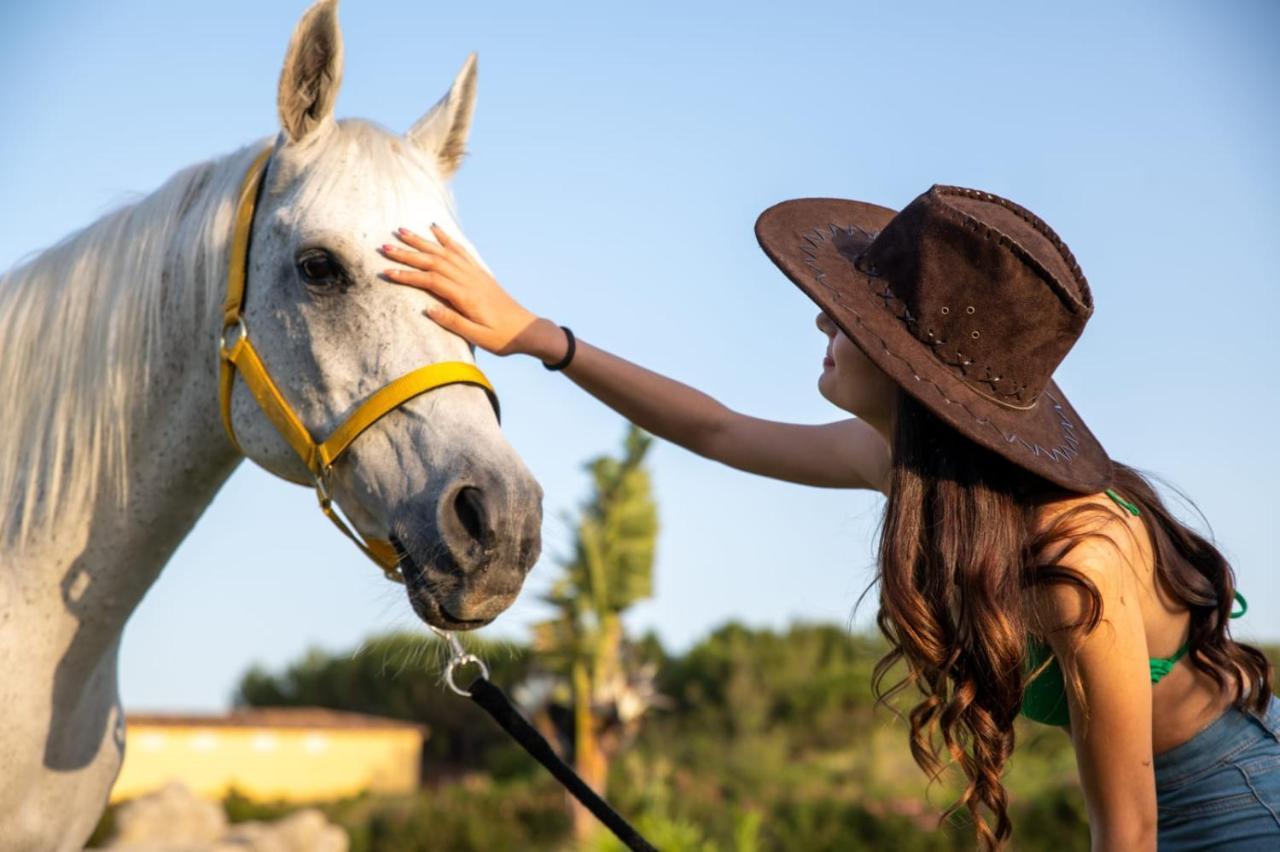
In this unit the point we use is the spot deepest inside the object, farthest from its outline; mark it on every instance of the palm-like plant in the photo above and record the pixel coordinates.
(611, 567)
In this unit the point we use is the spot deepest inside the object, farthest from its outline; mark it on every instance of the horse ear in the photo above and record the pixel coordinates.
(443, 130)
(312, 72)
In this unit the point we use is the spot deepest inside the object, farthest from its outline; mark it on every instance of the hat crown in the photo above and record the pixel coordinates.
(985, 284)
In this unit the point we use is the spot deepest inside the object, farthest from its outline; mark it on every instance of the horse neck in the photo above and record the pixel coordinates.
(95, 567)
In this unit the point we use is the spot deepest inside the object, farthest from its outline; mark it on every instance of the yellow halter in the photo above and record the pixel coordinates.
(237, 355)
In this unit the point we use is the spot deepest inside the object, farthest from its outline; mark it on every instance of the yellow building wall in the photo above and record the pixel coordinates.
(269, 763)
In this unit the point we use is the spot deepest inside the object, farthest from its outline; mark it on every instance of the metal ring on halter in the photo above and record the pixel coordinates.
(458, 657)
(462, 661)
(237, 324)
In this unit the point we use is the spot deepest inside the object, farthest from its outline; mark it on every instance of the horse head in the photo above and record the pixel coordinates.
(434, 476)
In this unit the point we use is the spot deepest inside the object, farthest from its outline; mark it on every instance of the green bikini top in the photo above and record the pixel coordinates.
(1045, 697)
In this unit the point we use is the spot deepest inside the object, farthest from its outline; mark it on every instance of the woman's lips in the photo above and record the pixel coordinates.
(827, 362)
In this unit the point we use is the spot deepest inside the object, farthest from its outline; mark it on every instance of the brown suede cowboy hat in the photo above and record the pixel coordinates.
(967, 301)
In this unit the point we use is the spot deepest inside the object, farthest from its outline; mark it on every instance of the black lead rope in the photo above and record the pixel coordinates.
(497, 705)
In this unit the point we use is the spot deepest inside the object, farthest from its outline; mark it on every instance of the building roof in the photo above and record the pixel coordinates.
(273, 717)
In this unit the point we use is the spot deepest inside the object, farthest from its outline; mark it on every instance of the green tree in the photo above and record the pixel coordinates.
(611, 568)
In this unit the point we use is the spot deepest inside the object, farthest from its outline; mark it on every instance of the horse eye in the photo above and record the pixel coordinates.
(319, 267)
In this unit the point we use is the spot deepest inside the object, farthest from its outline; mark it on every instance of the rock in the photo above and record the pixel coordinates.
(172, 815)
(302, 831)
(173, 819)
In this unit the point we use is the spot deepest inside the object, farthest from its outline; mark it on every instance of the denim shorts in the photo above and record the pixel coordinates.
(1221, 788)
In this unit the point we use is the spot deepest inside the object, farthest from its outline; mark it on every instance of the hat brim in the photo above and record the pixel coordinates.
(814, 241)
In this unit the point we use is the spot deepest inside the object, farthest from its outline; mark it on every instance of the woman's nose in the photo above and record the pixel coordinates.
(824, 323)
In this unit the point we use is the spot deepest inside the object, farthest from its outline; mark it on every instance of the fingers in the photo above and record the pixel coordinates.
(445, 246)
(433, 282)
(451, 320)
(452, 246)
(427, 261)
(419, 242)
(445, 239)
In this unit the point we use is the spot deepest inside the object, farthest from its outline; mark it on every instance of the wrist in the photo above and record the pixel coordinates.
(547, 342)
(567, 358)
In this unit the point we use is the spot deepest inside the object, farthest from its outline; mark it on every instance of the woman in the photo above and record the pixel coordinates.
(1020, 569)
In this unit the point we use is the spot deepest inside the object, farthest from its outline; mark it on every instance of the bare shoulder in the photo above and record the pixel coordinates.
(1087, 546)
(1081, 528)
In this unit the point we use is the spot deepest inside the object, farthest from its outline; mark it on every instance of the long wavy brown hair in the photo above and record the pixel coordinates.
(961, 546)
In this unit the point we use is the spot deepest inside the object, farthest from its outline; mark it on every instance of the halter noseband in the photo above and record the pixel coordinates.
(238, 355)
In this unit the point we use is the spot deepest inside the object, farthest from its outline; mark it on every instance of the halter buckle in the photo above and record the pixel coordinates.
(322, 487)
(236, 325)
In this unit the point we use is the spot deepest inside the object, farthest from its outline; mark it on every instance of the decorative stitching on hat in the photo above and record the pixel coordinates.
(1063, 453)
(899, 309)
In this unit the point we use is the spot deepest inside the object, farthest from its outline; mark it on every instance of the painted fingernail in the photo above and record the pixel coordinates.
(387, 247)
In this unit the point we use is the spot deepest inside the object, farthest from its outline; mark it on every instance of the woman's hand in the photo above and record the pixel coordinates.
(474, 305)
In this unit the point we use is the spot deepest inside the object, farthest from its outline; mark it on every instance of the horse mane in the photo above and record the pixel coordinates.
(82, 324)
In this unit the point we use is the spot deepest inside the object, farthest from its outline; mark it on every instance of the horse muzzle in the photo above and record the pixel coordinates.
(464, 561)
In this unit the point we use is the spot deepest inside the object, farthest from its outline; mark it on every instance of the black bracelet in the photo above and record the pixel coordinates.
(568, 355)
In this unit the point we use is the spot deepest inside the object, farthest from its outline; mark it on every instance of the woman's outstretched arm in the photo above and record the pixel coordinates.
(844, 454)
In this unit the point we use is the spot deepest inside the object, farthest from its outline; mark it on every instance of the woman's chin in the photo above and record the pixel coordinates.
(829, 389)
(826, 382)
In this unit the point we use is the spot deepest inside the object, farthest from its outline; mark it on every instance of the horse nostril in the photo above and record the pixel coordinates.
(469, 504)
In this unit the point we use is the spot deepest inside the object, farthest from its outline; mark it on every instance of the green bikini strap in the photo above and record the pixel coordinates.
(1123, 503)
(1160, 666)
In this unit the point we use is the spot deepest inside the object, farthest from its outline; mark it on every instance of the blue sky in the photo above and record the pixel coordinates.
(620, 156)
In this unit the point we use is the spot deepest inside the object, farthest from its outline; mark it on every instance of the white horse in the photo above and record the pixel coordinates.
(111, 444)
